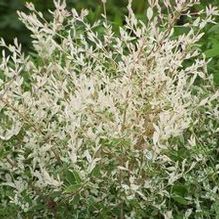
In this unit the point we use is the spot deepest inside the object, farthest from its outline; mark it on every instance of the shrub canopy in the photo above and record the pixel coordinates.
(95, 124)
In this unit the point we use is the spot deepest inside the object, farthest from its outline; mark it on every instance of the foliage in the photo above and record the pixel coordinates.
(107, 125)
(11, 27)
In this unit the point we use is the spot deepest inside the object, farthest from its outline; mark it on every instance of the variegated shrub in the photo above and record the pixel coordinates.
(106, 125)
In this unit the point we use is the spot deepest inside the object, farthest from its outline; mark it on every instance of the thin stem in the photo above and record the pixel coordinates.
(11, 162)
(104, 10)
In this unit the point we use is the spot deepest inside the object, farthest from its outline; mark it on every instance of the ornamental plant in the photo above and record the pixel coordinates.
(100, 125)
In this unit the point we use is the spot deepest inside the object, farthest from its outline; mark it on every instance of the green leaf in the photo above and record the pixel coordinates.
(72, 177)
(212, 52)
(216, 78)
(179, 189)
(179, 216)
(179, 192)
(214, 29)
(96, 171)
(72, 188)
(180, 199)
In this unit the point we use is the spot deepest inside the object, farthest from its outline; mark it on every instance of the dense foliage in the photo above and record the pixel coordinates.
(10, 26)
(100, 124)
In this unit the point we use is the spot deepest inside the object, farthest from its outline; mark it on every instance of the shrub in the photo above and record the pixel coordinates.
(96, 124)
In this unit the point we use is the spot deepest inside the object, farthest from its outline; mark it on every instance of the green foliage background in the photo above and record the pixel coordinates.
(10, 26)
